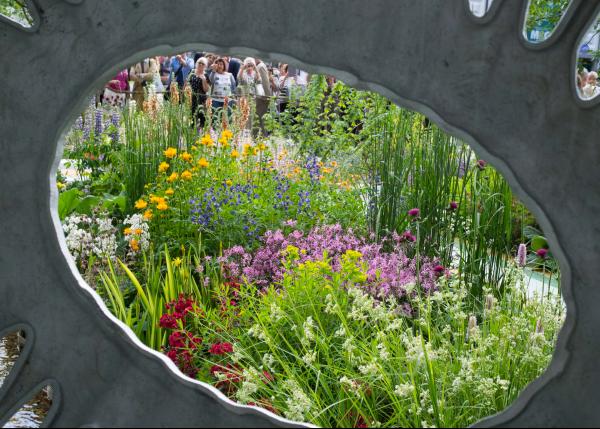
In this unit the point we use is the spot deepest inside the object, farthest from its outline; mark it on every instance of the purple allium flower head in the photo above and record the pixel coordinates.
(453, 205)
(414, 213)
(522, 255)
(542, 253)
(481, 164)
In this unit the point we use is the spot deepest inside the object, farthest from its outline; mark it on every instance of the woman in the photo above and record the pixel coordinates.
(222, 84)
(200, 87)
(248, 77)
(284, 85)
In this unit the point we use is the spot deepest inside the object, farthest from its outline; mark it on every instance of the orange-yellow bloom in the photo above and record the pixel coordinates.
(134, 245)
(234, 154)
(227, 134)
(170, 152)
(186, 156)
(203, 163)
(163, 167)
(141, 204)
(138, 231)
(186, 175)
(223, 141)
(207, 140)
(127, 231)
(173, 177)
(162, 206)
(229, 183)
(148, 214)
(169, 191)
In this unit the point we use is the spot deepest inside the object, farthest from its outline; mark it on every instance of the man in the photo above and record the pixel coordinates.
(181, 66)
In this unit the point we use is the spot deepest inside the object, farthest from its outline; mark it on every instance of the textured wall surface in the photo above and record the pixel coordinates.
(477, 78)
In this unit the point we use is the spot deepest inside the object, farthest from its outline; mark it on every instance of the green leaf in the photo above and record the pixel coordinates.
(68, 202)
(86, 205)
(538, 242)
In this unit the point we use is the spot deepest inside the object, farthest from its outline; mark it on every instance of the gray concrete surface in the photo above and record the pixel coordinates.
(477, 78)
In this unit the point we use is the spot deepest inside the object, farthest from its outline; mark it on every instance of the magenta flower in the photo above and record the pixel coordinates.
(481, 164)
(439, 270)
(522, 255)
(542, 253)
(414, 213)
(453, 205)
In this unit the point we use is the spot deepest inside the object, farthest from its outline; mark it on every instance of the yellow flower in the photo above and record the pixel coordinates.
(173, 177)
(148, 214)
(235, 154)
(203, 163)
(162, 206)
(154, 199)
(134, 244)
(262, 146)
(127, 231)
(334, 164)
(256, 151)
(177, 262)
(60, 185)
(207, 140)
(169, 191)
(229, 183)
(163, 167)
(224, 142)
(170, 152)
(297, 170)
(186, 157)
(326, 170)
(138, 231)
(186, 175)
(194, 148)
(227, 134)
(141, 204)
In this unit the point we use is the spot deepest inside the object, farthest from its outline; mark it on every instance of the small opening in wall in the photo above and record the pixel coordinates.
(17, 11)
(542, 19)
(480, 7)
(306, 247)
(588, 61)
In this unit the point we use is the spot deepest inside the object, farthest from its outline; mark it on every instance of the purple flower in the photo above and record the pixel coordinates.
(542, 253)
(481, 164)
(522, 255)
(453, 205)
(414, 213)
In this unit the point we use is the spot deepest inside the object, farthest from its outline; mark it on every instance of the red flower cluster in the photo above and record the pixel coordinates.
(221, 349)
(181, 342)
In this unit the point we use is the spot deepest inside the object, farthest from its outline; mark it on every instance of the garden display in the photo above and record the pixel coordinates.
(347, 264)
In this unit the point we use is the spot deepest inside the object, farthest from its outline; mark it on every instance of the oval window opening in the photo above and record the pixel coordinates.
(542, 19)
(480, 7)
(305, 247)
(588, 56)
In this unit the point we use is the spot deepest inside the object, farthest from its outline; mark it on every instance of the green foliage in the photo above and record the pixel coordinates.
(545, 14)
(16, 10)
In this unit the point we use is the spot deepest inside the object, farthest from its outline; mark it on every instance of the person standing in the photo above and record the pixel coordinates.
(200, 87)
(181, 67)
(222, 84)
(141, 73)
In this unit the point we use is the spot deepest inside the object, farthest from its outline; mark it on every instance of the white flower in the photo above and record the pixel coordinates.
(371, 369)
(341, 332)
(352, 385)
(268, 361)
(298, 403)
(276, 313)
(404, 390)
(310, 357)
(249, 386)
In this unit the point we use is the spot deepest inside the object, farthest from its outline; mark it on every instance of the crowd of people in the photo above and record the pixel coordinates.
(220, 79)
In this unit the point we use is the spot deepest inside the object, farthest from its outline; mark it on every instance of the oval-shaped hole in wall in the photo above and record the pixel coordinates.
(327, 169)
(587, 65)
(33, 412)
(480, 7)
(542, 19)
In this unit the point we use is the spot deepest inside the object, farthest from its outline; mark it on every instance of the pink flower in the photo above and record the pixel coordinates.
(481, 164)
(522, 255)
(542, 253)
(414, 213)
(220, 349)
(167, 321)
(453, 205)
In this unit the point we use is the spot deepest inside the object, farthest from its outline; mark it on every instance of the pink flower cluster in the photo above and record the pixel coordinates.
(388, 272)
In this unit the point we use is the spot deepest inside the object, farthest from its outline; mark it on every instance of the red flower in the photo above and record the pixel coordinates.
(168, 322)
(172, 354)
(221, 349)
(268, 377)
(177, 340)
